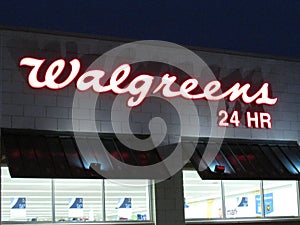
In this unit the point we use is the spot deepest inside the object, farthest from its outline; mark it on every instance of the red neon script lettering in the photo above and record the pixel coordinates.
(52, 73)
(141, 85)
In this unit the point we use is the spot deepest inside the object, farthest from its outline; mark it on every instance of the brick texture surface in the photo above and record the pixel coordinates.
(24, 107)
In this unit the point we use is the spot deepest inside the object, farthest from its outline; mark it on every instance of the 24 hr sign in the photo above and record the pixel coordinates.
(253, 119)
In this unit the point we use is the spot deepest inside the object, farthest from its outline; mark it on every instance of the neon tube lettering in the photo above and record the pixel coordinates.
(141, 85)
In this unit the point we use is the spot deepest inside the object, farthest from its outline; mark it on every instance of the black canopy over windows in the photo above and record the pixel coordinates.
(250, 159)
(53, 154)
(38, 154)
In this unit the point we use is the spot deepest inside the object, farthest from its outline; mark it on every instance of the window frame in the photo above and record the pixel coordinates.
(150, 204)
(224, 219)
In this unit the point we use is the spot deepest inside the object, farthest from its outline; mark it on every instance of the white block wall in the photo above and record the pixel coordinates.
(24, 107)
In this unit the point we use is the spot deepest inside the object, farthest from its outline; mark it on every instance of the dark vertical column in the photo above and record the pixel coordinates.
(1, 122)
(169, 201)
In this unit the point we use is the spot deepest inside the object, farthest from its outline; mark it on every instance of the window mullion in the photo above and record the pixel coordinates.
(103, 201)
(262, 201)
(298, 196)
(223, 200)
(53, 200)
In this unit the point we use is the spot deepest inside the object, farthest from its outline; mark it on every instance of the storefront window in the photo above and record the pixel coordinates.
(280, 198)
(73, 200)
(127, 200)
(242, 198)
(78, 200)
(25, 199)
(202, 198)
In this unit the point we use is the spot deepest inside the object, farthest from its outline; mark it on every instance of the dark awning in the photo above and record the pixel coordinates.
(54, 154)
(38, 154)
(249, 159)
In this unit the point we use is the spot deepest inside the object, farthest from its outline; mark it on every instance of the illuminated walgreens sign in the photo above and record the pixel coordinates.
(140, 87)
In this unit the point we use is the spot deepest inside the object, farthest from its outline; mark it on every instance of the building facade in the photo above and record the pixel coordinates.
(32, 116)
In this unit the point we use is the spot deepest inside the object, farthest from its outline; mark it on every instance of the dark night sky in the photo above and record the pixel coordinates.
(269, 27)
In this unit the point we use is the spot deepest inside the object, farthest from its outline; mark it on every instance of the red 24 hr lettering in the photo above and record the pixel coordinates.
(141, 85)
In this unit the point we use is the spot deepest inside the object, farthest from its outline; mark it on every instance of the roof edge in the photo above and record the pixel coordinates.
(126, 40)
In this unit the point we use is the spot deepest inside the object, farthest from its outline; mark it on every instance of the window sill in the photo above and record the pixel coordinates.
(83, 223)
(274, 220)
